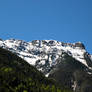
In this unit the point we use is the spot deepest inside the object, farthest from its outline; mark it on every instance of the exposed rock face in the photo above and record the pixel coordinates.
(79, 44)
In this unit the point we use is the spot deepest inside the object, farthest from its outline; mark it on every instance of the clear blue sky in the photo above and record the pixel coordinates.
(62, 20)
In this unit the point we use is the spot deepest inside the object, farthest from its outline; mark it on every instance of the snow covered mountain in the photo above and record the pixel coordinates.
(44, 54)
(68, 63)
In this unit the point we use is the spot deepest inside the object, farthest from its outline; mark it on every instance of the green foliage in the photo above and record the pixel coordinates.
(16, 75)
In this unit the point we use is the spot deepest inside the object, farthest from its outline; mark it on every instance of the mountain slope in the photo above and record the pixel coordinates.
(43, 54)
(16, 75)
(68, 63)
(73, 74)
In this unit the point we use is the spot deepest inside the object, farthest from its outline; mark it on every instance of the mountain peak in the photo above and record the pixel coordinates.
(43, 53)
(79, 44)
(49, 56)
(58, 43)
